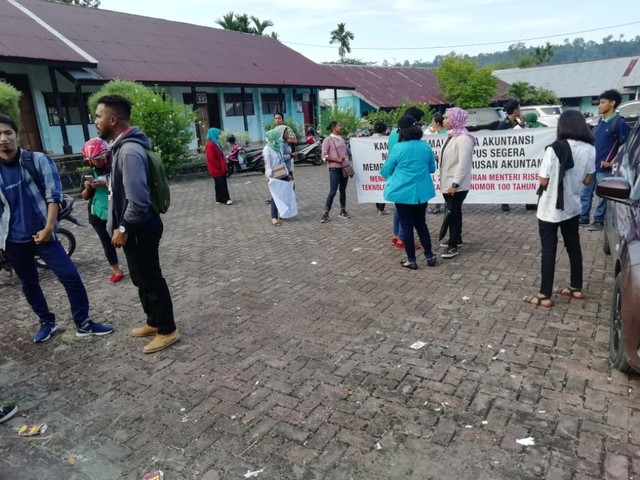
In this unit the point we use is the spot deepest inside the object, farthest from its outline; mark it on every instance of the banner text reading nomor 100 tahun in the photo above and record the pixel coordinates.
(505, 165)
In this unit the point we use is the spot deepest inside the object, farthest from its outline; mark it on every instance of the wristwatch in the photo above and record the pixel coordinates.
(454, 185)
(121, 229)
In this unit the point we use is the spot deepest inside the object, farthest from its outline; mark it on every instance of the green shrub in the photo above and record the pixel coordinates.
(347, 118)
(297, 128)
(242, 139)
(391, 117)
(168, 125)
(9, 98)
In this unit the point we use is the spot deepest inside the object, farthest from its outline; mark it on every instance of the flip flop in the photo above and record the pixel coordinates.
(571, 292)
(275, 223)
(537, 300)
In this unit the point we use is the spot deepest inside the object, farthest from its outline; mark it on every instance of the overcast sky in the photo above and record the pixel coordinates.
(401, 24)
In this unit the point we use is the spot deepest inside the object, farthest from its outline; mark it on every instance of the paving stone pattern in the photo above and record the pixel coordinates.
(304, 369)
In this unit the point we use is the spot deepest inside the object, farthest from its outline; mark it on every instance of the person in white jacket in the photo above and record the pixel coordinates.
(455, 174)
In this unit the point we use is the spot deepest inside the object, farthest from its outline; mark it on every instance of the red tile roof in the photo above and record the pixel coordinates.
(389, 87)
(140, 48)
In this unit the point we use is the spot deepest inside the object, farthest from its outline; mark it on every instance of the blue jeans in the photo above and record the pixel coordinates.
(336, 180)
(413, 216)
(397, 228)
(586, 197)
(20, 257)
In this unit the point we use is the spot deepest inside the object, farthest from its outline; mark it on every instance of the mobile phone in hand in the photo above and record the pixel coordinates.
(89, 178)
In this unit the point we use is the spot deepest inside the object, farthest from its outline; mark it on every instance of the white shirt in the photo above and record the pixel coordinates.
(584, 159)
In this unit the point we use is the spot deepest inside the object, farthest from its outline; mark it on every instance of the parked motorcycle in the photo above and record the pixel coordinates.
(253, 162)
(310, 153)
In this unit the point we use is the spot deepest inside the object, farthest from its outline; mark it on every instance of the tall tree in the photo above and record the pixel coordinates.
(343, 38)
(544, 54)
(84, 3)
(464, 84)
(259, 26)
(241, 22)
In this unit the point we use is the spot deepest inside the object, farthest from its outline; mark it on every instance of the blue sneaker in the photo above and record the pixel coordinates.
(45, 332)
(90, 328)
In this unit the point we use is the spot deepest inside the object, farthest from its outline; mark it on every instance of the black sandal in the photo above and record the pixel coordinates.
(538, 299)
(409, 265)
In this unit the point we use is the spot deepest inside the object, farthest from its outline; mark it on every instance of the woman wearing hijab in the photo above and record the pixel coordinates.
(567, 165)
(408, 171)
(274, 163)
(217, 166)
(455, 174)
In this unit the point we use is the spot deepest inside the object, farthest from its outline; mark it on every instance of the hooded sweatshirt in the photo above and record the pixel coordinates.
(130, 203)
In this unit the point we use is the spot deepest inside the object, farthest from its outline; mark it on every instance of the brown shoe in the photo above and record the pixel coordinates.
(160, 342)
(144, 331)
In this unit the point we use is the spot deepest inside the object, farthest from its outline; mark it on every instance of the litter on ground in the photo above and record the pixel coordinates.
(526, 442)
(417, 345)
(255, 473)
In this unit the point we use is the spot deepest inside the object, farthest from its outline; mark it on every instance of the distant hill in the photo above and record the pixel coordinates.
(570, 51)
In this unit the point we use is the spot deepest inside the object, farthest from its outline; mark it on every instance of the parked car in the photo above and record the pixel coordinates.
(622, 239)
(630, 111)
(483, 118)
(547, 114)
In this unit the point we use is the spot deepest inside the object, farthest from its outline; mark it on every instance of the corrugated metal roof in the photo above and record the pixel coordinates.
(388, 87)
(140, 48)
(583, 79)
(22, 38)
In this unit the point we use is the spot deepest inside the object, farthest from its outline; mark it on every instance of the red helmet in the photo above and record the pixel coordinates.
(96, 149)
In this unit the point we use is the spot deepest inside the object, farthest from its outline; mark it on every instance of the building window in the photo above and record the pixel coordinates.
(70, 108)
(272, 103)
(233, 104)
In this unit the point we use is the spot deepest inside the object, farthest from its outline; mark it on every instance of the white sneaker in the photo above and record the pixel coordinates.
(229, 202)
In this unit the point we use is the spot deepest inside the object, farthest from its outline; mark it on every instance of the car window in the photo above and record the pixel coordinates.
(551, 110)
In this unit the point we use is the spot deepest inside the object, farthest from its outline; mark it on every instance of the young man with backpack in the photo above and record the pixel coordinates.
(134, 222)
(30, 194)
(610, 133)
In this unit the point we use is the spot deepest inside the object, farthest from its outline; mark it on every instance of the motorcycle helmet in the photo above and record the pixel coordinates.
(96, 149)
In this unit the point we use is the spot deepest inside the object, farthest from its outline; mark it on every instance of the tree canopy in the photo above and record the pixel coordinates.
(343, 38)
(528, 94)
(241, 22)
(464, 84)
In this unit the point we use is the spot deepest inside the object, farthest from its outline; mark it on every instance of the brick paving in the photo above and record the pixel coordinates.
(304, 369)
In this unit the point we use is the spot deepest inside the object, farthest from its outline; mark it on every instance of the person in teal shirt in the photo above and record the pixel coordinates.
(408, 184)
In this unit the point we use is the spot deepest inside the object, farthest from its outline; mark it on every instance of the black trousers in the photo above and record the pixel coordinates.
(549, 243)
(100, 226)
(143, 260)
(454, 206)
(222, 191)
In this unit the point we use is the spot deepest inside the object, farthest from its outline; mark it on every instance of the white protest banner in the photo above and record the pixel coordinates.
(505, 165)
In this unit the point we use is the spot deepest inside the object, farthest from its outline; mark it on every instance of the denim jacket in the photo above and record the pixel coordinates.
(51, 187)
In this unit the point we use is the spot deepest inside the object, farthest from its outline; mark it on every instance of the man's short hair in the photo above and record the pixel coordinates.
(120, 106)
(511, 106)
(415, 112)
(612, 95)
(278, 113)
(9, 121)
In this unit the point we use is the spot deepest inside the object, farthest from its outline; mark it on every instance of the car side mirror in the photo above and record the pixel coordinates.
(615, 189)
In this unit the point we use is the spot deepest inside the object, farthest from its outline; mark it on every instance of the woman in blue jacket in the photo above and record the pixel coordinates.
(408, 173)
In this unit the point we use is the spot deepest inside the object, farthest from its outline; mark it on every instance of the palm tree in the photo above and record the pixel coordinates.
(241, 22)
(544, 54)
(342, 37)
(228, 21)
(260, 26)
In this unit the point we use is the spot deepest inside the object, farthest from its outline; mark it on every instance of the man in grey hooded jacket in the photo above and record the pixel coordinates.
(136, 226)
